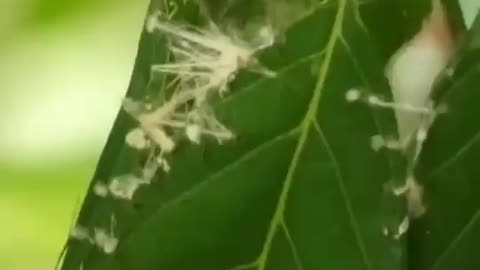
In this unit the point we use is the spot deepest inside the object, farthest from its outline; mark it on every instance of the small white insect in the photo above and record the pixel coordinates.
(412, 72)
(414, 67)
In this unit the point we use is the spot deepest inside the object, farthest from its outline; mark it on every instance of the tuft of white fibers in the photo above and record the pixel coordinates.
(208, 58)
(204, 62)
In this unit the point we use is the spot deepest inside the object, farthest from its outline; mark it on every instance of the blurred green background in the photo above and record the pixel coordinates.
(64, 67)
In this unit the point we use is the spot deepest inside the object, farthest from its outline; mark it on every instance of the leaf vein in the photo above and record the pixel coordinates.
(305, 128)
(293, 247)
(215, 176)
(356, 65)
(457, 240)
(348, 204)
(462, 151)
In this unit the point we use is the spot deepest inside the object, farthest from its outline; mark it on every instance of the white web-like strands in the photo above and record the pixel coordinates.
(204, 62)
(209, 58)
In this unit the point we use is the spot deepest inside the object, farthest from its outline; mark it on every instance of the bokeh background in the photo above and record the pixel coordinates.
(64, 68)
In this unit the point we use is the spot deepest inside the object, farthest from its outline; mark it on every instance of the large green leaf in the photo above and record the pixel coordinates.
(300, 187)
(448, 237)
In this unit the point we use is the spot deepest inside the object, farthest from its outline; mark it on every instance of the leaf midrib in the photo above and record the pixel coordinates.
(306, 125)
(246, 155)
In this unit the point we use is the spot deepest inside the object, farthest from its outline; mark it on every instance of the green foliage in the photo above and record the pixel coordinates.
(300, 187)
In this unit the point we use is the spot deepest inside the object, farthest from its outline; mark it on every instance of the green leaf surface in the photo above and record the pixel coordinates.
(300, 187)
(448, 237)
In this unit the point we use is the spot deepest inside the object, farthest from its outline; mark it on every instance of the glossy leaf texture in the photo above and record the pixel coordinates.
(448, 236)
(300, 187)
